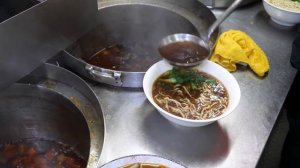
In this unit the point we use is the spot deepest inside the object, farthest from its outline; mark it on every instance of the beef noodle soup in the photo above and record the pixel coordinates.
(190, 94)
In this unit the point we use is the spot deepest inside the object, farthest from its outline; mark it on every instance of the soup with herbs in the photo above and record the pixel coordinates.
(293, 5)
(190, 94)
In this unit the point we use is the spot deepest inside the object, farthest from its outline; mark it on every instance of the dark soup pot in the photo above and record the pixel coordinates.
(123, 45)
(45, 122)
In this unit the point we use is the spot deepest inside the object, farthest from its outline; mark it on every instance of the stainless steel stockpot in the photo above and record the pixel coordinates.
(53, 104)
(137, 21)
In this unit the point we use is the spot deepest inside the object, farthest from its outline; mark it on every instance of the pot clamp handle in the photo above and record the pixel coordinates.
(108, 77)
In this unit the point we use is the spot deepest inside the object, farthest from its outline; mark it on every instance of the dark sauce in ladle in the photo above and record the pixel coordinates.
(184, 52)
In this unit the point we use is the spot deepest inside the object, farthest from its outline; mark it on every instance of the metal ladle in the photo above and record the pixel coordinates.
(186, 50)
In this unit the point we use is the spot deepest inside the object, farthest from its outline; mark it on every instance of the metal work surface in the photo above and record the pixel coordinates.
(223, 3)
(133, 126)
(33, 32)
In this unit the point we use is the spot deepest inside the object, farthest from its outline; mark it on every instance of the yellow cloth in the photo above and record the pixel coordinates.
(235, 46)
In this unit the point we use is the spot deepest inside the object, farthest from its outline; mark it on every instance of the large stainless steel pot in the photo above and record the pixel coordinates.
(140, 22)
(53, 104)
(223, 3)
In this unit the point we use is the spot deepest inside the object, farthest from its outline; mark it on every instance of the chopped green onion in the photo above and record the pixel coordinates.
(183, 76)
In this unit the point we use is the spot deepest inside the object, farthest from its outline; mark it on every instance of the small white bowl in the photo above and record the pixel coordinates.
(209, 67)
(281, 15)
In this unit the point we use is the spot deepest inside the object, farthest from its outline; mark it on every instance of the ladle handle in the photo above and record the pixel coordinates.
(228, 11)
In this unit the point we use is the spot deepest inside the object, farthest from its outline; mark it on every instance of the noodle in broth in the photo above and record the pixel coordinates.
(190, 94)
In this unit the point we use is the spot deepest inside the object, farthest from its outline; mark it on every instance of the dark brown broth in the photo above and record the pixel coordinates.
(39, 154)
(121, 58)
(168, 89)
(184, 52)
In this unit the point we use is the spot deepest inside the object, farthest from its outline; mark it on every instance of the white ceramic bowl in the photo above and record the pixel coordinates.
(209, 67)
(281, 15)
(142, 159)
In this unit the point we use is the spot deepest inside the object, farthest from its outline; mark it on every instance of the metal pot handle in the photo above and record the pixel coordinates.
(111, 77)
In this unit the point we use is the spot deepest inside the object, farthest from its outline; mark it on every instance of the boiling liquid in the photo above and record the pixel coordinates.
(121, 58)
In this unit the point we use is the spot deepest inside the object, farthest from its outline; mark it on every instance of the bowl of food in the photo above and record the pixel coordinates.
(191, 97)
(142, 161)
(283, 12)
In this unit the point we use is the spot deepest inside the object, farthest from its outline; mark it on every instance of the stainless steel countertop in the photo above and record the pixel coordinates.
(133, 126)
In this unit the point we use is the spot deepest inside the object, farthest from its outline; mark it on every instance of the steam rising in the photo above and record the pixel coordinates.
(139, 27)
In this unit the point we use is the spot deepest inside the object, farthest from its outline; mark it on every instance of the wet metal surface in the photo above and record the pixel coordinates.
(133, 126)
(32, 33)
